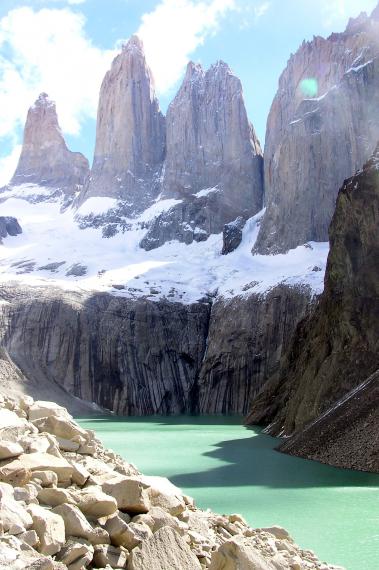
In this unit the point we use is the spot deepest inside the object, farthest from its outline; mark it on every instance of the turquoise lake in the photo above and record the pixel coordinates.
(231, 469)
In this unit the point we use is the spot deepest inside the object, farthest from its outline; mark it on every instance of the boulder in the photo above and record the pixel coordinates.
(165, 550)
(12, 427)
(29, 537)
(80, 475)
(50, 529)
(239, 554)
(232, 235)
(279, 532)
(42, 409)
(46, 478)
(67, 444)
(76, 524)
(93, 502)
(172, 504)
(128, 535)
(38, 443)
(10, 449)
(131, 494)
(76, 553)
(107, 554)
(162, 518)
(13, 513)
(53, 497)
(60, 427)
(28, 493)
(42, 462)
(15, 473)
(17, 555)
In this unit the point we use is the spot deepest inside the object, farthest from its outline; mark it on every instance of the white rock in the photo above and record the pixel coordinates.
(42, 462)
(13, 513)
(9, 449)
(166, 549)
(130, 493)
(50, 529)
(42, 409)
(239, 554)
(76, 524)
(93, 502)
(105, 554)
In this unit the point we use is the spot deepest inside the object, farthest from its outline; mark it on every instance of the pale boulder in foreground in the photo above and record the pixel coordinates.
(67, 503)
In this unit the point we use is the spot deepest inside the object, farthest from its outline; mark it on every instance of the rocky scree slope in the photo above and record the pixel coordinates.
(336, 349)
(323, 125)
(66, 502)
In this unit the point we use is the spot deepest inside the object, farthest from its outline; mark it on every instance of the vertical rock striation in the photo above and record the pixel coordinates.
(130, 135)
(337, 348)
(139, 357)
(323, 124)
(245, 342)
(210, 141)
(45, 159)
(213, 161)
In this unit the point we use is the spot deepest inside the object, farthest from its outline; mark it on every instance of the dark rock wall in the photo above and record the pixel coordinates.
(245, 342)
(337, 348)
(139, 357)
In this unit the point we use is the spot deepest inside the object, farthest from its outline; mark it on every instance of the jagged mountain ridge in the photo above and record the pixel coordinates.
(205, 142)
(323, 125)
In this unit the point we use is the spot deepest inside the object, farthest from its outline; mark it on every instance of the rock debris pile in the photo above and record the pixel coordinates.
(66, 502)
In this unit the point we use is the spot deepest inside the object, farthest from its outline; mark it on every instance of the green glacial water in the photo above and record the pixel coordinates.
(229, 469)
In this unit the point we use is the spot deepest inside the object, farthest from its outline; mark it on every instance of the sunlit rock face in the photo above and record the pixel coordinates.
(213, 163)
(130, 136)
(45, 158)
(322, 126)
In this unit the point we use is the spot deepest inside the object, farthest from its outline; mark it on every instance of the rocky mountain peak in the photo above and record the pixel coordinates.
(308, 155)
(45, 158)
(375, 13)
(130, 135)
(134, 43)
(194, 72)
(213, 158)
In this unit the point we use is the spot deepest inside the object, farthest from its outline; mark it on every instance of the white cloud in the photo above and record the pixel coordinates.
(339, 11)
(261, 9)
(173, 30)
(8, 165)
(47, 50)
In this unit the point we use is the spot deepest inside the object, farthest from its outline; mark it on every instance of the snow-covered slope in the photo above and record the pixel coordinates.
(54, 250)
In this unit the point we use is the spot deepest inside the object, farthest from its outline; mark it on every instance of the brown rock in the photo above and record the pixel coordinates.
(130, 135)
(45, 158)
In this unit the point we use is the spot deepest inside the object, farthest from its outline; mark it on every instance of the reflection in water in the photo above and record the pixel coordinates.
(233, 469)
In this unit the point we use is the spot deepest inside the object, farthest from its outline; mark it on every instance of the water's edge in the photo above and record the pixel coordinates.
(229, 468)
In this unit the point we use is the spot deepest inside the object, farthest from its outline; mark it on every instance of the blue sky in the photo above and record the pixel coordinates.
(64, 47)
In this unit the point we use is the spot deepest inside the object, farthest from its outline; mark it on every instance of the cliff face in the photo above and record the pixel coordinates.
(213, 161)
(210, 142)
(245, 341)
(45, 158)
(100, 347)
(336, 349)
(130, 135)
(323, 125)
